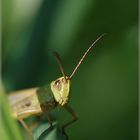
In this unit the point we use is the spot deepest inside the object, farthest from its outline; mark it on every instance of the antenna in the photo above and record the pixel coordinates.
(86, 52)
(59, 61)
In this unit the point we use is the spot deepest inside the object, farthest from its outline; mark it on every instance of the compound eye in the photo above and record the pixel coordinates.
(58, 85)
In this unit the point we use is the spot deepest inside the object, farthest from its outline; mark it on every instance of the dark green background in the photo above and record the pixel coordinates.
(105, 88)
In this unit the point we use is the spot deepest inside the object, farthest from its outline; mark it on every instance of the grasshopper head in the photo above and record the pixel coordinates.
(61, 88)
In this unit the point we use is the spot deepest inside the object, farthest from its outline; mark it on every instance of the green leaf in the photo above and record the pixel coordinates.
(45, 132)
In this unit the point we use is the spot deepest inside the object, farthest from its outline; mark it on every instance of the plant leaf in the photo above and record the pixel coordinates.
(45, 132)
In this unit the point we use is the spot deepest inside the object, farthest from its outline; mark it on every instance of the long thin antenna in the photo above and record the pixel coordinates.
(84, 55)
(59, 61)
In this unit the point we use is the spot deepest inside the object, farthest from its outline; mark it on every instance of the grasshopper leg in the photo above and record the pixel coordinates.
(49, 119)
(75, 118)
(45, 110)
(25, 126)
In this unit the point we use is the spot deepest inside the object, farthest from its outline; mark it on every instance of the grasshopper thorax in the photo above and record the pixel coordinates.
(61, 88)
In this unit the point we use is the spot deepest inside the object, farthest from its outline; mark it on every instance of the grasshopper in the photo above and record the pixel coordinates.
(39, 100)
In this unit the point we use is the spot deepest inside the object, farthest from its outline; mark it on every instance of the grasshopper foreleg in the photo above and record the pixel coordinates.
(75, 118)
(45, 110)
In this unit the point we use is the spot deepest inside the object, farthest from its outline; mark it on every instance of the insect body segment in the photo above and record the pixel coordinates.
(25, 103)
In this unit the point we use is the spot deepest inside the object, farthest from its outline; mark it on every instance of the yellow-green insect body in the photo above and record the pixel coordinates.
(27, 102)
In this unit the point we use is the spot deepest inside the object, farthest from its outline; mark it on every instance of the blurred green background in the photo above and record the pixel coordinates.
(105, 88)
